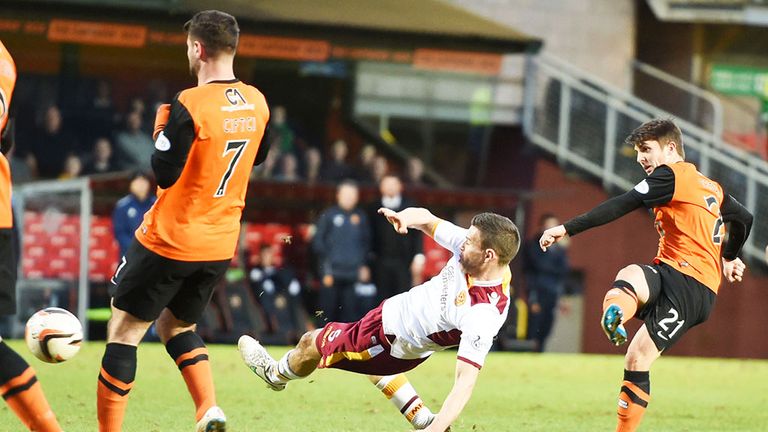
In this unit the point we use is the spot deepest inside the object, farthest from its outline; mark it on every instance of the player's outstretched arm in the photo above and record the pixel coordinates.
(466, 377)
(411, 217)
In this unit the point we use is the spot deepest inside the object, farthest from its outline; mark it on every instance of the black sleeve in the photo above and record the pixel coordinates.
(657, 189)
(8, 136)
(739, 221)
(173, 144)
(261, 155)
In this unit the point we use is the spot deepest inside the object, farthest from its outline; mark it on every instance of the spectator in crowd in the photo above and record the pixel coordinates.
(380, 168)
(20, 172)
(129, 211)
(73, 167)
(279, 293)
(342, 243)
(545, 276)
(365, 168)
(336, 169)
(397, 258)
(281, 135)
(266, 170)
(49, 146)
(289, 169)
(415, 172)
(134, 146)
(100, 113)
(101, 161)
(313, 162)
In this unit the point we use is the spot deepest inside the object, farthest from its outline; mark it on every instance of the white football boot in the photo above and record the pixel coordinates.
(258, 359)
(213, 420)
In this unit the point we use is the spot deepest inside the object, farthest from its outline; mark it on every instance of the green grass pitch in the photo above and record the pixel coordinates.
(516, 392)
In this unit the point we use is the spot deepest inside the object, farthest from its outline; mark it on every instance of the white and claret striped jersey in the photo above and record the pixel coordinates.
(448, 310)
(208, 146)
(7, 83)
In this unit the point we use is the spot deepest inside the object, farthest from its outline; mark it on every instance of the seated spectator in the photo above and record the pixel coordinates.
(47, 148)
(336, 169)
(101, 161)
(365, 168)
(281, 135)
(134, 146)
(380, 168)
(279, 293)
(289, 169)
(415, 172)
(312, 161)
(129, 211)
(73, 167)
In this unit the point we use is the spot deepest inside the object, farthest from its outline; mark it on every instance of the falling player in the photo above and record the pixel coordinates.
(677, 291)
(207, 140)
(18, 382)
(465, 305)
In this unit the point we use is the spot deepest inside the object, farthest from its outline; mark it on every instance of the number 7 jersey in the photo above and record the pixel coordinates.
(214, 131)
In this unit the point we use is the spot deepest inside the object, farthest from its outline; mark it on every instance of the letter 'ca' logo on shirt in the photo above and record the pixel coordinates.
(234, 96)
(461, 298)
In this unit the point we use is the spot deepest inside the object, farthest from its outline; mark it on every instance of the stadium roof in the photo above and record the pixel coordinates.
(379, 22)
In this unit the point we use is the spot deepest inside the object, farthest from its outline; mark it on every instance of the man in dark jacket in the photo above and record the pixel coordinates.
(129, 211)
(545, 275)
(398, 260)
(342, 243)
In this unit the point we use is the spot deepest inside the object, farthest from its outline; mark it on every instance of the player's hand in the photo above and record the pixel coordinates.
(394, 218)
(734, 270)
(161, 119)
(551, 236)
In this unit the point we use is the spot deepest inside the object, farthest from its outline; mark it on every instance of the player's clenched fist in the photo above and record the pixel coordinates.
(734, 270)
(551, 236)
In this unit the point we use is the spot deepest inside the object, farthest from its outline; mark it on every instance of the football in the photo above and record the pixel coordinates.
(53, 335)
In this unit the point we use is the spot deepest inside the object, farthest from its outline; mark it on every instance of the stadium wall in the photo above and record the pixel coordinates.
(596, 35)
(736, 326)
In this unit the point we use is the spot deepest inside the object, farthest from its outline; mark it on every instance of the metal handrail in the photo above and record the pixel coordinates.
(714, 101)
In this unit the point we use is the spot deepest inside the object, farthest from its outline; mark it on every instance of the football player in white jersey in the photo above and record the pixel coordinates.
(465, 306)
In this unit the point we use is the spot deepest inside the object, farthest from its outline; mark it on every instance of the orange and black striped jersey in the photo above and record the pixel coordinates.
(7, 83)
(691, 229)
(690, 211)
(212, 137)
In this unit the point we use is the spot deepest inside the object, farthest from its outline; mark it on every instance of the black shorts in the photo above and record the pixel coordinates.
(676, 303)
(147, 283)
(7, 273)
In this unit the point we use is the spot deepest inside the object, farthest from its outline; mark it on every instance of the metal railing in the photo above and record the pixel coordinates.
(583, 121)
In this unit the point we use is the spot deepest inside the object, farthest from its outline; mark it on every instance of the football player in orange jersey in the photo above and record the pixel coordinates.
(676, 291)
(206, 142)
(18, 381)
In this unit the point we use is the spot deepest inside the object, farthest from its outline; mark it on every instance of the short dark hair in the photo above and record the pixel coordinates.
(663, 131)
(217, 31)
(498, 233)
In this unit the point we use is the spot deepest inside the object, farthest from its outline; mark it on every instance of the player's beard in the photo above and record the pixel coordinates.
(467, 265)
(194, 68)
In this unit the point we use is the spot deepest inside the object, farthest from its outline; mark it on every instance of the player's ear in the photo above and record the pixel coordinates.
(490, 254)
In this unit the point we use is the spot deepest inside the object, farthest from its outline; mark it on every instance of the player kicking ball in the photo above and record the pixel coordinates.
(465, 306)
(677, 291)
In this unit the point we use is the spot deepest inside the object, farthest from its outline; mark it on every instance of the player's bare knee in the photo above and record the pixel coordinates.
(637, 360)
(168, 326)
(124, 328)
(306, 345)
(634, 274)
